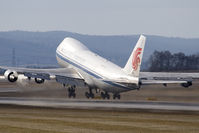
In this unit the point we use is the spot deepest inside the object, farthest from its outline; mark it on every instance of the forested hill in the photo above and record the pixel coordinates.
(39, 47)
(164, 61)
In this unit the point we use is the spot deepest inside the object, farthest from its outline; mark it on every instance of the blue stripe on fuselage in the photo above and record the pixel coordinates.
(90, 73)
(78, 66)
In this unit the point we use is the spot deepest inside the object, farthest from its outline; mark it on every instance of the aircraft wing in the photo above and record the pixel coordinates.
(67, 76)
(185, 79)
(151, 82)
(168, 75)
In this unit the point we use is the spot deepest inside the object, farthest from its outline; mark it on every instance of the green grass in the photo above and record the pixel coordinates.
(16, 119)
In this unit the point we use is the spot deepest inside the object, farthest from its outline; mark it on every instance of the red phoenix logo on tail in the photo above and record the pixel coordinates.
(136, 58)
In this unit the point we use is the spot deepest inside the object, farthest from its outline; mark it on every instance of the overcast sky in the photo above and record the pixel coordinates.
(173, 18)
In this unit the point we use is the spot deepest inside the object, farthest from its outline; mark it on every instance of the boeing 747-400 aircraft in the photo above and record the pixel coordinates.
(82, 66)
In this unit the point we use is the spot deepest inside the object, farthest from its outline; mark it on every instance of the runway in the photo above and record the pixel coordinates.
(102, 105)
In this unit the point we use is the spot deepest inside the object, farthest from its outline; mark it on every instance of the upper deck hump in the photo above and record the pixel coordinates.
(72, 45)
(79, 53)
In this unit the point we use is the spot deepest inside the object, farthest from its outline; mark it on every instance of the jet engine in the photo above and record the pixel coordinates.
(39, 80)
(186, 85)
(11, 76)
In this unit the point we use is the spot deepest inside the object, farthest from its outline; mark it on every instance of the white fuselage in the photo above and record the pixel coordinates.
(96, 71)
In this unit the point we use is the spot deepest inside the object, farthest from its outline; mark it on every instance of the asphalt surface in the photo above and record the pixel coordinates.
(102, 104)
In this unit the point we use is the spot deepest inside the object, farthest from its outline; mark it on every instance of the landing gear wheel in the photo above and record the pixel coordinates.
(105, 95)
(89, 94)
(71, 92)
(92, 95)
(116, 96)
(73, 95)
(108, 96)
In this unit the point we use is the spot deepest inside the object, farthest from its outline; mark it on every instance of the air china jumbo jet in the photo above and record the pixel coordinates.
(81, 66)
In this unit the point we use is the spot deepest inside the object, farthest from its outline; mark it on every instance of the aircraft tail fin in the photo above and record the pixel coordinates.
(133, 64)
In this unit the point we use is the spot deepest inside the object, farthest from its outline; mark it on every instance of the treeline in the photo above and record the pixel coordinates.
(166, 61)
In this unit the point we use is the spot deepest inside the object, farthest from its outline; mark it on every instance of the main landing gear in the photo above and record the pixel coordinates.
(116, 96)
(89, 94)
(71, 91)
(105, 95)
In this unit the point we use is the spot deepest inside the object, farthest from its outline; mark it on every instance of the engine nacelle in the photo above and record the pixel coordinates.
(39, 80)
(11, 76)
(186, 85)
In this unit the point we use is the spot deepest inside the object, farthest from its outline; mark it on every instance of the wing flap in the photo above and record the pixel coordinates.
(45, 76)
(69, 81)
